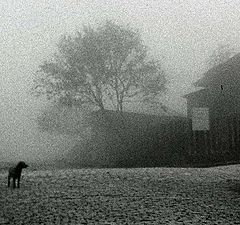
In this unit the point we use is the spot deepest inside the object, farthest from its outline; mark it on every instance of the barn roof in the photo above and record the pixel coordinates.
(130, 118)
(224, 71)
(196, 93)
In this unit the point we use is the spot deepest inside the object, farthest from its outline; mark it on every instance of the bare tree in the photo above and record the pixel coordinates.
(101, 66)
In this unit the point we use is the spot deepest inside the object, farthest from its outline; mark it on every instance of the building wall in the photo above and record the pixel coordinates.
(220, 103)
(133, 139)
(200, 100)
(222, 93)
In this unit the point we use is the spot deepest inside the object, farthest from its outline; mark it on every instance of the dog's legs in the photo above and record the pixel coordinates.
(18, 182)
(14, 182)
(9, 181)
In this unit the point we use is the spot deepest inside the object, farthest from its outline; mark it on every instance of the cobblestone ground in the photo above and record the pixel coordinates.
(123, 196)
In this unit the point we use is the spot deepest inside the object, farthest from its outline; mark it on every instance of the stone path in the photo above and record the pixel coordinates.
(124, 196)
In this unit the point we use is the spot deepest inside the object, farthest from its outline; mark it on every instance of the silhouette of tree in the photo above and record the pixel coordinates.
(99, 67)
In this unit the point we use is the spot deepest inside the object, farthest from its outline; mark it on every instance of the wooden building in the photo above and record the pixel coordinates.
(127, 139)
(220, 90)
(220, 93)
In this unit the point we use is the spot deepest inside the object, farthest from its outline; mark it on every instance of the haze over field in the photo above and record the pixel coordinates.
(181, 33)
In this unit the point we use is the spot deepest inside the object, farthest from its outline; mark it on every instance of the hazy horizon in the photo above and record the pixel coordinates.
(181, 33)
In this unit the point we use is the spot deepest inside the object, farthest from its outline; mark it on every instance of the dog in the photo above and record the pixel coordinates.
(15, 173)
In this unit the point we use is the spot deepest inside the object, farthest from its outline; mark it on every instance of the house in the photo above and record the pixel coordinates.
(220, 93)
(127, 139)
(220, 90)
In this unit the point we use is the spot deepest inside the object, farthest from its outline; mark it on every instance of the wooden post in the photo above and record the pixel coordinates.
(237, 133)
(187, 133)
(194, 142)
(216, 138)
(232, 136)
(189, 138)
(211, 139)
(206, 145)
(220, 130)
(229, 138)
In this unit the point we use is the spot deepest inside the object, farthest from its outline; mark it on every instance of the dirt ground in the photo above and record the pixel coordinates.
(123, 196)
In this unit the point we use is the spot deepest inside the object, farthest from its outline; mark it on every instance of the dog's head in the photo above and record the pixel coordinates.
(22, 164)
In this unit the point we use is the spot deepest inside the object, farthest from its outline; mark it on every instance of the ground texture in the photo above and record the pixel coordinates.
(123, 196)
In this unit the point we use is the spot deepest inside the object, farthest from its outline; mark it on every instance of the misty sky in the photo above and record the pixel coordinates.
(181, 32)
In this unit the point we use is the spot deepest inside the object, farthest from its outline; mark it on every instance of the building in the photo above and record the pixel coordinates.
(127, 139)
(220, 93)
(220, 90)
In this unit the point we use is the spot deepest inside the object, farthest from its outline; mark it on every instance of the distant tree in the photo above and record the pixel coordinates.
(220, 55)
(99, 66)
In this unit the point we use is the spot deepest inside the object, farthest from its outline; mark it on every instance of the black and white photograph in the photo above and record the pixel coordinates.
(120, 112)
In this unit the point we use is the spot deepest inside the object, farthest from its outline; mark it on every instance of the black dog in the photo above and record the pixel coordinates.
(15, 173)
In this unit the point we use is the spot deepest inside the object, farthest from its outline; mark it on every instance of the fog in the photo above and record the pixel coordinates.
(180, 33)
